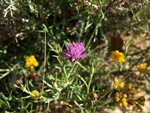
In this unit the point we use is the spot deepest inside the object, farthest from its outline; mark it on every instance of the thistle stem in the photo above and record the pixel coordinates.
(91, 76)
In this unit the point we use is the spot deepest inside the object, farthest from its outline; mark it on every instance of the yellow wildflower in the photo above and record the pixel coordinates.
(27, 64)
(117, 56)
(115, 86)
(129, 86)
(117, 99)
(142, 68)
(35, 93)
(31, 67)
(120, 103)
(123, 100)
(125, 104)
(31, 62)
(124, 95)
(36, 64)
(27, 58)
(132, 91)
(32, 56)
(121, 85)
(115, 81)
(117, 94)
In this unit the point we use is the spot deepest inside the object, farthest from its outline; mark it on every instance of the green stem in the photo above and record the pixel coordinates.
(71, 69)
(91, 76)
(81, 65)
(47, 107)
(120, 68)
(65, 73)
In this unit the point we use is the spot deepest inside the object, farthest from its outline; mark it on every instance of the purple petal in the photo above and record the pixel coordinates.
(66, 55)
(74, 51)
(83, 56)
(73, 59)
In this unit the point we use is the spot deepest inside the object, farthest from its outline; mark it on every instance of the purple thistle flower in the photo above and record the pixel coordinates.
(74, 51)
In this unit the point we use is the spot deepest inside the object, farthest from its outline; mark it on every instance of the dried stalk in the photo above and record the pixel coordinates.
(44, 71)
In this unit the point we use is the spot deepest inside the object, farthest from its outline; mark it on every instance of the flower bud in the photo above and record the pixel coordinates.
(35, 92)
(129, 86)
(115, 81)
(31, 67)
(54, 85)
(124, 96)
(34, 75)
(117, 94)
(27, 64)
(123, 100)
(125, 104)
(132, 91)
(94, 96)
(119, 104)
(121, 85)
(115, 86)
(117, 99)
(36, 64)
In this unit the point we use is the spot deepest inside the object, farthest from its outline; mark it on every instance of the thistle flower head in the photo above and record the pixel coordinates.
(74, 51)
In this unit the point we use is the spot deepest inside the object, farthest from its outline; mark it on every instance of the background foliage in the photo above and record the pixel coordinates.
(104, 25)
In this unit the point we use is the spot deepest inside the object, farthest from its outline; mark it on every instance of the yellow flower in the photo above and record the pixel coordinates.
(120, 103)
(123, 100)
(27, 64)
(129, 86)
(132, 91)
(115, 81)
(117, 94)
(32, 56)
(36, 64)
(115, 86)
(124, 95)
(125, 104)
(117, 56)
(121, 85)
(117, 99)
(35, 93)
(27, 58)
(31, 62)
(31, 67)
(142, 68)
